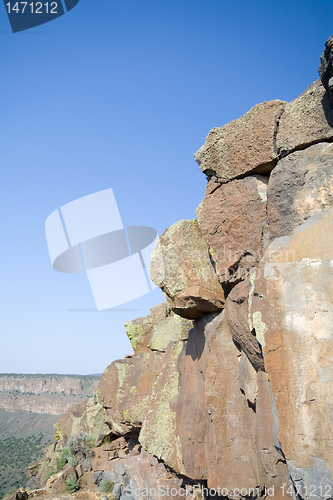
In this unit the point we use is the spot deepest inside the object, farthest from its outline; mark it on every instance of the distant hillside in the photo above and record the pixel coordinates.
(29, 407)
(50, 393)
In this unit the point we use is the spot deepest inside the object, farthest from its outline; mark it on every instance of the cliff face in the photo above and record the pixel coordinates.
(52, 394)
(231, 381)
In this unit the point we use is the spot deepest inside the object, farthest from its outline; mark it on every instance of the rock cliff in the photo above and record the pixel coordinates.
(229, 391)
(52, 394)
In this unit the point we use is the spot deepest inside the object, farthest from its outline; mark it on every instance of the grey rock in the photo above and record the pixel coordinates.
(98, 477)
(117, 491)
(300, 186)
(120, 468)
(109, 475)
(86, 465)
(326, 67)
(314, 482)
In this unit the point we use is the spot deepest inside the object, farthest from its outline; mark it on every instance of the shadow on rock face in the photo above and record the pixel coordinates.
(327, 103)
(196, 338)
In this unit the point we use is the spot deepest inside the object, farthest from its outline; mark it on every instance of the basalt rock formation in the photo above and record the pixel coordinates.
(230, 386)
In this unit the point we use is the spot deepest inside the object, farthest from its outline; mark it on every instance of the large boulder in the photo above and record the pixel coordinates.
(181, 267)
(305, 120)
(243, 146)
(300, 186)
(326, 67)
(292, 314)
(232, 217)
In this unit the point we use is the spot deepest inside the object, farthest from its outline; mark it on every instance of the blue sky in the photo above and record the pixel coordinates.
(121, 94)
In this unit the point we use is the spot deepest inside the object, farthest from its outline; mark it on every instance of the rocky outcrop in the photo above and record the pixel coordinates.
(326, 67)
(300, 186)
(181, 266)
(292, 313)
(157, 330)
(244, 146)
(230, 383)
(305, 121)
(232, 217)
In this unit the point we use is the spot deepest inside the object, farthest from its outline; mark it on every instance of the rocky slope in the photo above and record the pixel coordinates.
(230, 386)
(30, 405)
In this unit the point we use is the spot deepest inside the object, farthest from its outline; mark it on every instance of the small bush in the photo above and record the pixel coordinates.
(61, 463)
(72, 460)
(68, 456)
(89, 441)
(107, 486)
(72, 484)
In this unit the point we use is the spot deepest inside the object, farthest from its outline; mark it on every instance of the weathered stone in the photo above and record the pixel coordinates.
(326, 67)
(153, 481)
(138, 331)
(233, 220)
(59, 486)
(164, 333)
(292, 313)
(83, 419)
(232, 430)
(181, 266)
(244, 146)
(269, 446)
(305, 120)
(247, 378)
(300, 186)
(19, 494)
(87, 480)
(79, 470)
(236, 311)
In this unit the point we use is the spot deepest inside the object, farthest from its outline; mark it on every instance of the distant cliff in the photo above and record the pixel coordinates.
(52, 394)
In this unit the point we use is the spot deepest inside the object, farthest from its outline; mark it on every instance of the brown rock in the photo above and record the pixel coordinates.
(138, 331)
(305, 120)
(236, 313)
(244, 146)
(232, 432)
(300, 186)
(269, 446)
(59, 486)
(233, 220)
(292, 313)
(181, 266)
(87, 480)
(116, 444)
(155, 480)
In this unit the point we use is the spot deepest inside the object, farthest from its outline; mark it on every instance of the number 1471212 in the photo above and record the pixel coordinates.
(33, 7)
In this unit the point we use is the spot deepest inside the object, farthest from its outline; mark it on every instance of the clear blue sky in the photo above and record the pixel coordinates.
(121, 94)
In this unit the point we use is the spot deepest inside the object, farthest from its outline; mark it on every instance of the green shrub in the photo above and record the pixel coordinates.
(61, 463)
(72, 460)
(72, 484)
(89, 441)
(49, 474)
(67, 455)
(106, 486)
